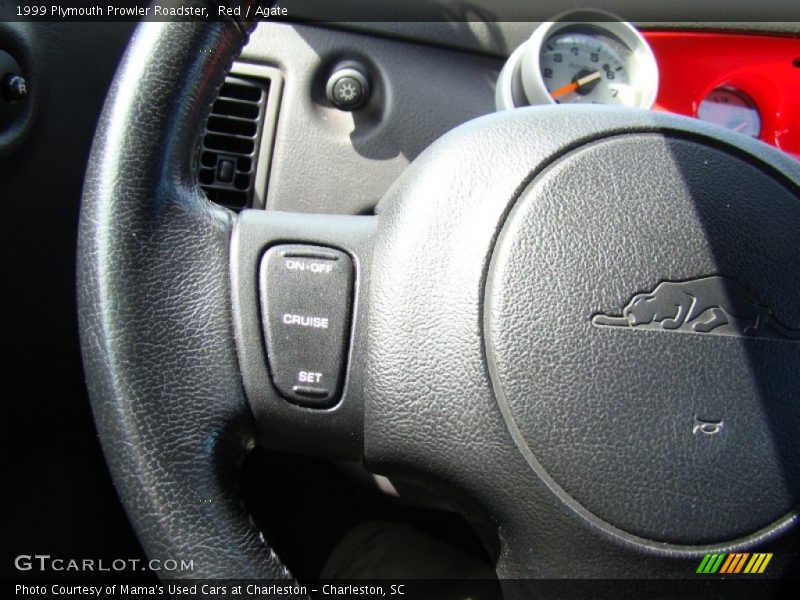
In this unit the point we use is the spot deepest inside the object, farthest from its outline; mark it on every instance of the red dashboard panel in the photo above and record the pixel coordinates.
(764, 68)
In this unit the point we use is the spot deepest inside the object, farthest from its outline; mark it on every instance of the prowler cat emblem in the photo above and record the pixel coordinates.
(715, 305)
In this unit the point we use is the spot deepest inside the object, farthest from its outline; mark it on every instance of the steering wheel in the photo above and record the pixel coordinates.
(579, 325)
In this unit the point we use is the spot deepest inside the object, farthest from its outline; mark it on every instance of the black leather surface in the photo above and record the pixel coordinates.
(430, 412)
(154, 307)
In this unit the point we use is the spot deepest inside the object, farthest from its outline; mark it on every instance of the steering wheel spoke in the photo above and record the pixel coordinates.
(299, 287)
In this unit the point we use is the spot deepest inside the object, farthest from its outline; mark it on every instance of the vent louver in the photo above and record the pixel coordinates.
(229, 150)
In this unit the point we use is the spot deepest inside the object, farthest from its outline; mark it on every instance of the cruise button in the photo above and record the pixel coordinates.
(306, 301)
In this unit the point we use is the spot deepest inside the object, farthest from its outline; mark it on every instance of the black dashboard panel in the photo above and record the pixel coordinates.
(330, 161)
(500, 38)
(57, 496)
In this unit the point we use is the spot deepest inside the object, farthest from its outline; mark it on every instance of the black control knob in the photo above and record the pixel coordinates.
(348, 87)
(14, 87)
(15, 98)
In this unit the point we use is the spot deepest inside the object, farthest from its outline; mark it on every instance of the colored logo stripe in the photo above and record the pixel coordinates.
(728, 562)
(734, 563)
(710, 563)
(758, 563)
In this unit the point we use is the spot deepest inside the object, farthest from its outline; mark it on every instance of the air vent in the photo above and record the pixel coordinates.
(233, 155)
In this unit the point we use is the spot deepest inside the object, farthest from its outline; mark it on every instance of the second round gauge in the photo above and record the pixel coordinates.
(731, 109)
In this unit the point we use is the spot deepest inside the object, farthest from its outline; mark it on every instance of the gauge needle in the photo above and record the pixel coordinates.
(575, 85)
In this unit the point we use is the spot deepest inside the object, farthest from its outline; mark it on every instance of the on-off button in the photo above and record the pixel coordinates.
(305, 304)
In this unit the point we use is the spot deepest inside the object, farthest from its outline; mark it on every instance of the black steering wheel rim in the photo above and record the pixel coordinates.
(147, 231)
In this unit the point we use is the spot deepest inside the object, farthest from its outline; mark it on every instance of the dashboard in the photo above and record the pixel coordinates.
(421, 88)
(749, 82)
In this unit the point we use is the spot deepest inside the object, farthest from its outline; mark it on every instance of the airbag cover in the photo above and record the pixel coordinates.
(641, 328)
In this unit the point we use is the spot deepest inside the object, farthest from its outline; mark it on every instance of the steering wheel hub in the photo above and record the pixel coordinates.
(642, 334)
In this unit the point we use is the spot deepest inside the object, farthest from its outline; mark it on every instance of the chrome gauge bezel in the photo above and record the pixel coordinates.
(641, 66)
(521, 82)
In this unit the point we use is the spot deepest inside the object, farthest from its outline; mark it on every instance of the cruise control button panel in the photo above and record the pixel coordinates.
(306, 302)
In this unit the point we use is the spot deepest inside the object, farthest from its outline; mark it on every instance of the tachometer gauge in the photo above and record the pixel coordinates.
(581, 67)
(731, 109)
(573, 62)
